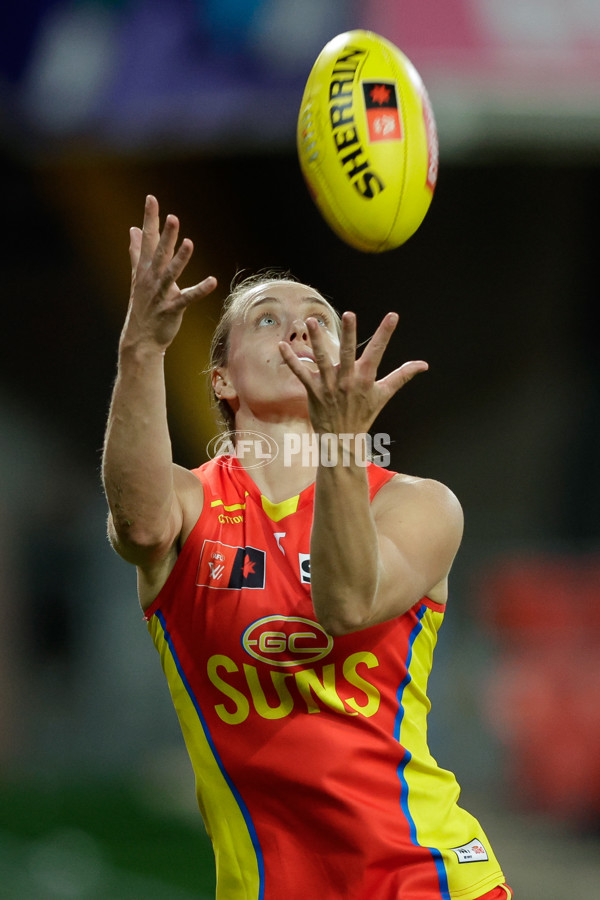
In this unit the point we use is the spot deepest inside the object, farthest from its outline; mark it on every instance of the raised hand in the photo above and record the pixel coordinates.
(345, 397)
(156, 303)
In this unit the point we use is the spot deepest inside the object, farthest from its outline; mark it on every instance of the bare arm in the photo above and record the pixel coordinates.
(370, 562)
(147, 495)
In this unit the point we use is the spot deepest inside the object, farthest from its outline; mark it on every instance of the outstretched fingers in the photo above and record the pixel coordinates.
(135, 245)
(348, 345)
(165, 248)
(150, 230)
(399, 377)
(322, 358)
(373, 352)
(292, 361)
(169, 265)
(197, 291)
(156, 249)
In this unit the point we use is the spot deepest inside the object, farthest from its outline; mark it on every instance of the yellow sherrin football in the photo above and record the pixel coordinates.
(367, 141)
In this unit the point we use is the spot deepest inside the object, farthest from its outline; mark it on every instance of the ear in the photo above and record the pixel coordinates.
(222, 384)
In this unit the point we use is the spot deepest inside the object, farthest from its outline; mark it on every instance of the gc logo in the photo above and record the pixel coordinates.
(286, 640)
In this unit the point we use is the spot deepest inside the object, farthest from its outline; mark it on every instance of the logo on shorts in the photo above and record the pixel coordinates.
(474, 851)
(230, 568)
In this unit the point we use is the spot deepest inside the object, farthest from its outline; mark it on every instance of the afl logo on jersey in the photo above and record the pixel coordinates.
(286, 641)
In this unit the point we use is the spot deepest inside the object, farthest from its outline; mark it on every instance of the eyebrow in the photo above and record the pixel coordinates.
(270, 300)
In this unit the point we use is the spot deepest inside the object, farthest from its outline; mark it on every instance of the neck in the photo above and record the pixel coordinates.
(278, 455)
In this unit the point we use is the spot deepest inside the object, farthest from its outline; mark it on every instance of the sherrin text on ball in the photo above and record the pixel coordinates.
(367, 141)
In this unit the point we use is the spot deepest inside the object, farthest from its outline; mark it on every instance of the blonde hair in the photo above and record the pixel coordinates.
(234, 308)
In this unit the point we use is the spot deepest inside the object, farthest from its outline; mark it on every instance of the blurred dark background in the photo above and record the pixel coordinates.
(104, 102)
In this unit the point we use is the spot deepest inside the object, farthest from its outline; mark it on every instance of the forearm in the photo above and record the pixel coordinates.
(344, 549)
(137, 465)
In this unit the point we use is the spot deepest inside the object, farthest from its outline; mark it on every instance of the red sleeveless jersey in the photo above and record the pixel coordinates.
(310, 752)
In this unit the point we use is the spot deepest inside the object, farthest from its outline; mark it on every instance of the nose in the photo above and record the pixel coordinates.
(298, 331)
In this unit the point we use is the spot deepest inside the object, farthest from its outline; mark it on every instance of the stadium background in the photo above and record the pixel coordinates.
(103, 102)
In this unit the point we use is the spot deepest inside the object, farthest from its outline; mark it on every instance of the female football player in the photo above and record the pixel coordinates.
(294, 590)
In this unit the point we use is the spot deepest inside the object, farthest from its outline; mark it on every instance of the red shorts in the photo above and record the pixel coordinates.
(502, 892)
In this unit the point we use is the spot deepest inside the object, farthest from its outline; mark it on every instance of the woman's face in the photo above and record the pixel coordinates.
(256, 377)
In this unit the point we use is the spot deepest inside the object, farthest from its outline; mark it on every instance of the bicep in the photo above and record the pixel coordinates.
(419, 529)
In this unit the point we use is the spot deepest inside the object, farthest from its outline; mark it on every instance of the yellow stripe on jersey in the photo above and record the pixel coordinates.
(230, 508)
(238, 857)
(435, 821)
(278, 511)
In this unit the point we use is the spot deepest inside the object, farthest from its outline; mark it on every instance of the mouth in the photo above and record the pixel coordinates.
(306, 356)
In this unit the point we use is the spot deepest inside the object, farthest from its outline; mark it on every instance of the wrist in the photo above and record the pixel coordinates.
(345, 450)
(139, 349)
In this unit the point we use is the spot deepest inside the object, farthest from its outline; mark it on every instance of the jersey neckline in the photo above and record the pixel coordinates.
(276, 511)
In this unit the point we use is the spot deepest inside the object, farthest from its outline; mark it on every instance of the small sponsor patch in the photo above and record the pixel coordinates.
(304, 563)
(474, 851)
(230, 568)
(381, 104)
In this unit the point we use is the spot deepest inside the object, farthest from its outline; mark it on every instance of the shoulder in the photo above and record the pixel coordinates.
(190, 494)
(406, 486)
(217, 481)
(410, 497)
(422, 520)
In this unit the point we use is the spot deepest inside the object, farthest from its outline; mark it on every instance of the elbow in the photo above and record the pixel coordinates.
(346, 614)
(137, 544)
(337, 626)
(342, 619)
(344, 609)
